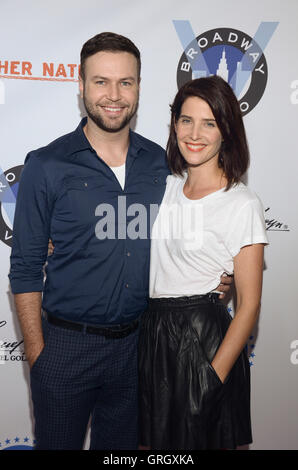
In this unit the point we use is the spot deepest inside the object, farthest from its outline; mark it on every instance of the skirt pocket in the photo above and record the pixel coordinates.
(210, 332)
(213, 371)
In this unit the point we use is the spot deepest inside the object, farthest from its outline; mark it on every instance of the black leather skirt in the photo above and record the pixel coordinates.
(182, 402)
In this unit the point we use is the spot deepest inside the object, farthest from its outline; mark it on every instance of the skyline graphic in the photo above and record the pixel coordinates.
(240, 62)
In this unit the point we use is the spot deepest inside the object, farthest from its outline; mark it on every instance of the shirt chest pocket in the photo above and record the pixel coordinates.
(147, 188)
(84, 194)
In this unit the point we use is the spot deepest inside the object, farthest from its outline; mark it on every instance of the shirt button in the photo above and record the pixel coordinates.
(126, 285)
(155, 180)
(128, 253)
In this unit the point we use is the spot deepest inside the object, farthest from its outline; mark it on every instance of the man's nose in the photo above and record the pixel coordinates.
(113, 92)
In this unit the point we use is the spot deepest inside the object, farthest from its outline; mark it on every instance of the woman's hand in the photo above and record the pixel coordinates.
(226, 282)
(50, 248)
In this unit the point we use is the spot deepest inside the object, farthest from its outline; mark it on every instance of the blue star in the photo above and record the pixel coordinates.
(26, 439)
(17, 439)
(252, 355)
(251, 337)
(7, 441)
(252, 346)
(251, 363)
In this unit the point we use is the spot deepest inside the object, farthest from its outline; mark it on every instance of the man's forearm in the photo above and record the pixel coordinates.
(28, 306)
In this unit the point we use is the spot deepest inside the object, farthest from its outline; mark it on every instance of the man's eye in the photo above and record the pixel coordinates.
(126, 84)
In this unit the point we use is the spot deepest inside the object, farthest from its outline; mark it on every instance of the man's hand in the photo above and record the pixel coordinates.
(226, 282)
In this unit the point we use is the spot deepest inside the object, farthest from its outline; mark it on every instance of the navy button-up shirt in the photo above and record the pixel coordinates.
(99, 271)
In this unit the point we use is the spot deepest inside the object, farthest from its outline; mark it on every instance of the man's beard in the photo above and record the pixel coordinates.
(100, 122)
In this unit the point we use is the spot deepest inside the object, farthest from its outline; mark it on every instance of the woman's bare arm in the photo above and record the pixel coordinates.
(248, 275)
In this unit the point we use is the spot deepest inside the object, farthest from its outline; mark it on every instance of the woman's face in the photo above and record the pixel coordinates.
(198, 136)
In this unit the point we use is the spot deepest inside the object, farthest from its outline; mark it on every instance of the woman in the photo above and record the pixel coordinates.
(194, 372)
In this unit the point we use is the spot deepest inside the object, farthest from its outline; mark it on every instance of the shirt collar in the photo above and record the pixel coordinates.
(79, 142)
(137, 143)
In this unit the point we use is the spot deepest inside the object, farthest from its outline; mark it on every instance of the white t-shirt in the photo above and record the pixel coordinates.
(194, 241)
(120, 174)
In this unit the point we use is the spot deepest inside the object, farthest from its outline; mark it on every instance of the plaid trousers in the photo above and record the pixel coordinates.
(79, 375)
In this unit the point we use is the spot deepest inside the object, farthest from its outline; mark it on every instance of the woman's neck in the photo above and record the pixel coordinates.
(202, 181)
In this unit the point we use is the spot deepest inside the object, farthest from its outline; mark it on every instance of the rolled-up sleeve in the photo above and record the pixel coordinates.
(31, 229)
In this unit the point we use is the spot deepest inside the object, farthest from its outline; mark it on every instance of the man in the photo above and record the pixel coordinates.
(84, 191)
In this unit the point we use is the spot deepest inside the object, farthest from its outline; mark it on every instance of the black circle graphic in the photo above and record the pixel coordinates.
(241, 41)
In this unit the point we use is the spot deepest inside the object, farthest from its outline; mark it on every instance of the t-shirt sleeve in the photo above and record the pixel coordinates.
(247, 227)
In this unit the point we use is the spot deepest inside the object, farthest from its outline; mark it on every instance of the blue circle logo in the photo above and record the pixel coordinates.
(9, 184)
(232, 55)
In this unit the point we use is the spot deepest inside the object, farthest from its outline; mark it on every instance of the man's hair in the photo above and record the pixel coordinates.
(110, 42)
(234, 153)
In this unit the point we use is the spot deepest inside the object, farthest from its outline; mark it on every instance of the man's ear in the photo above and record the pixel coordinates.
(81, 86)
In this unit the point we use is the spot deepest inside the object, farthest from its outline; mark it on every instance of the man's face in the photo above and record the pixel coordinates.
(110, 90)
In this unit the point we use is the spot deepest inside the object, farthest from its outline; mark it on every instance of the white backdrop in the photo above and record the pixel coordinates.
(41, 102)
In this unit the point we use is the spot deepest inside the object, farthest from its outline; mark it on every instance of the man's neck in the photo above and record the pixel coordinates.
(111, 147)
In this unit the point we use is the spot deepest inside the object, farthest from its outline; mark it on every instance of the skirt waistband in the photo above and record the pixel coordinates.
(211, 297)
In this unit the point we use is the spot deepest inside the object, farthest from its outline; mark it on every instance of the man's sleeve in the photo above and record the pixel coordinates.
(31, 229)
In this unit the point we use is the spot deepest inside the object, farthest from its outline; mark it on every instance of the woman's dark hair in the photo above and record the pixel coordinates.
(111, 42)
(234, 153)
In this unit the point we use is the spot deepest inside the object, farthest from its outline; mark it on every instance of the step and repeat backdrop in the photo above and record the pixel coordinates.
(252, 45)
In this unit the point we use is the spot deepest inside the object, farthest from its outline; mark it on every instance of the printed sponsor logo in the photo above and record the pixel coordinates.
(274, 225)
(45, 71)
(229, 53)
(250, 350)
(9, 183)
(250, 345)
(11, 350)
(17, 443)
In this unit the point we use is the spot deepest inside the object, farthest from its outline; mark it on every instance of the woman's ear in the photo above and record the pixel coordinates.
(175, 125)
